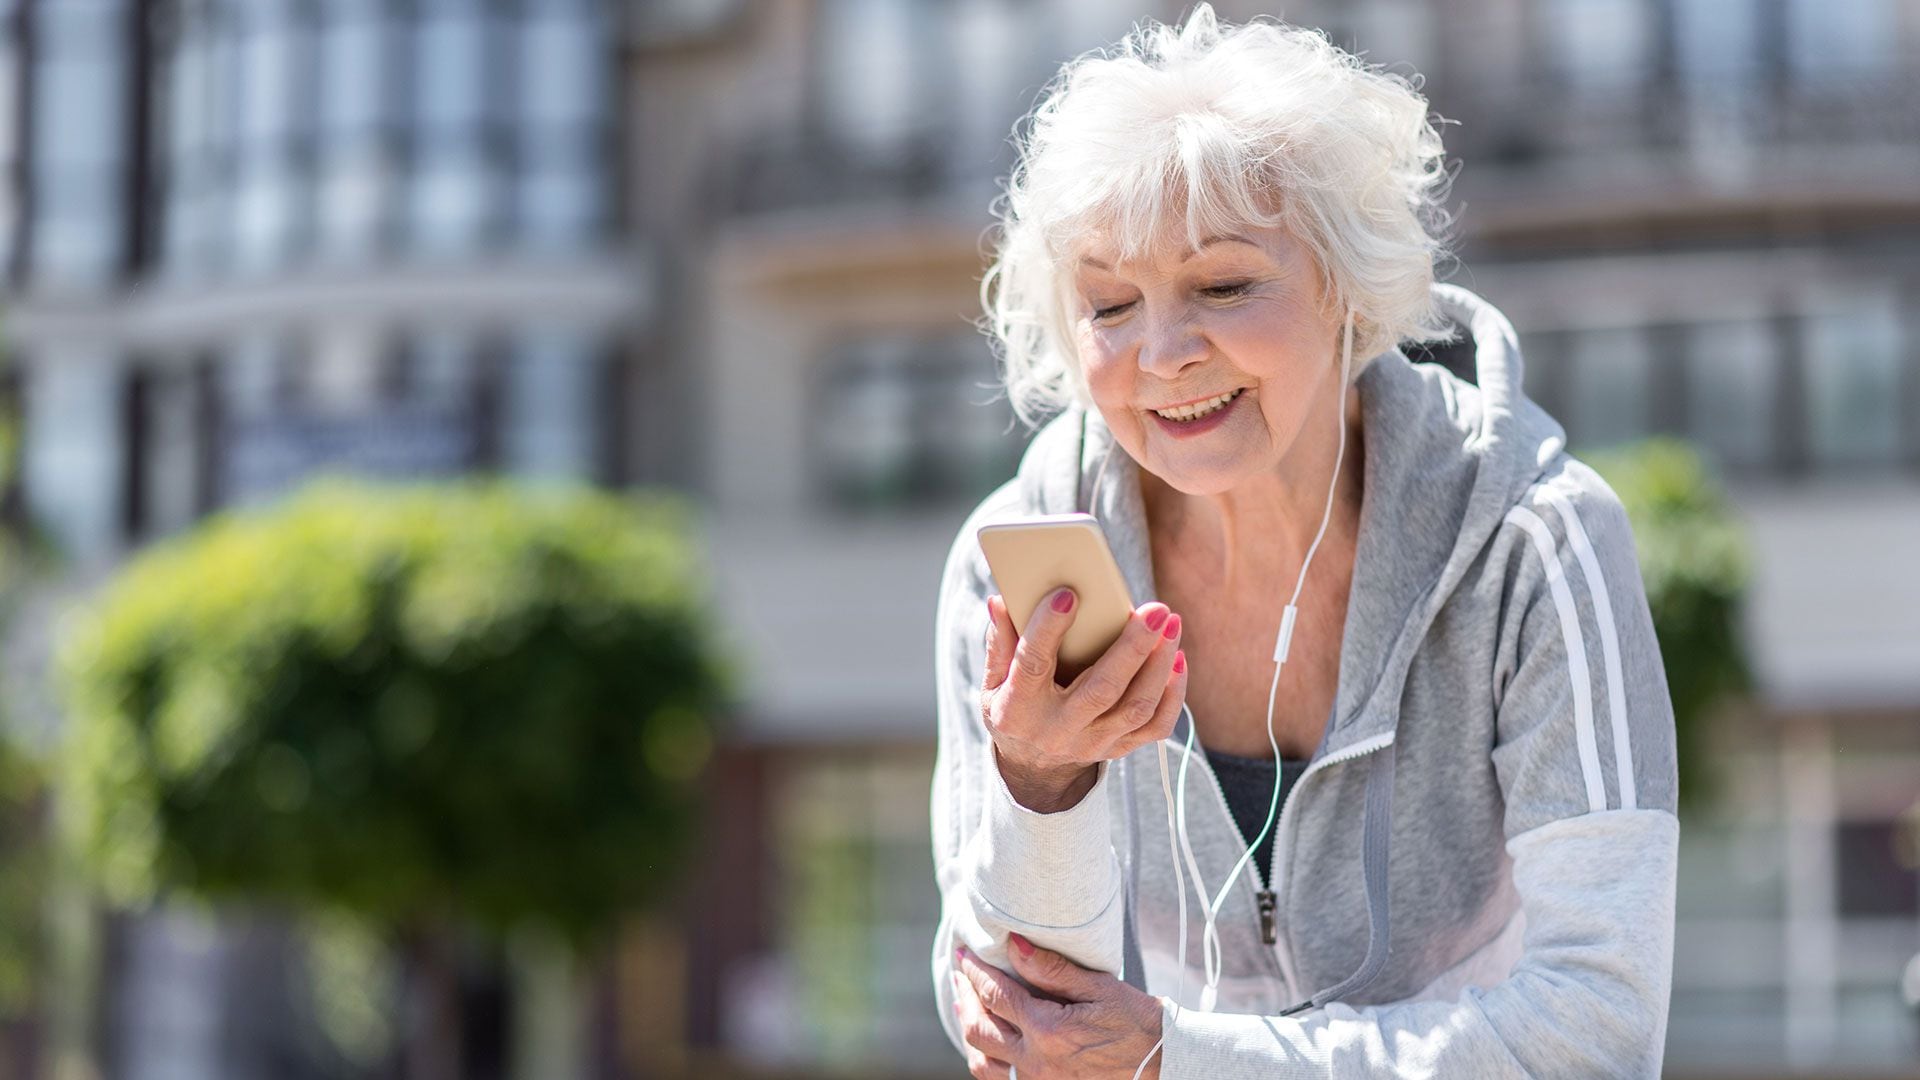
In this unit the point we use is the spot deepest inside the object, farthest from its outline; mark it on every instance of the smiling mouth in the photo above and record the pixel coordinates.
(1186, 413)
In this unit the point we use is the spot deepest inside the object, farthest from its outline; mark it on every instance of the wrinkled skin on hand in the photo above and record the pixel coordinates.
(1080, 1024)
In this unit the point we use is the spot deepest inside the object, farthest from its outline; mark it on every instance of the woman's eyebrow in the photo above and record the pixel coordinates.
(1230, 238)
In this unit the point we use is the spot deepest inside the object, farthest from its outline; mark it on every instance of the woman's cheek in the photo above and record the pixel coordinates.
(1102, 367)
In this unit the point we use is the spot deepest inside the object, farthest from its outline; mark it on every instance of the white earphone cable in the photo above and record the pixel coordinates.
(1177, 806)
(1282, 646)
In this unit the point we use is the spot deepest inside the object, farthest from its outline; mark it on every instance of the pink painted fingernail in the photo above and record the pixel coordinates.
(1173, 628)
(1063, 601)
(1154, 620)
(1025, 946)
(1179, 661)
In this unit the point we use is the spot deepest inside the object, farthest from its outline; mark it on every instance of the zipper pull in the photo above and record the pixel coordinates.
(1267, 933)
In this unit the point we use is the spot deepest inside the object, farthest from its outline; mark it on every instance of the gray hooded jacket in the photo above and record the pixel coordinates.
(1475, 875)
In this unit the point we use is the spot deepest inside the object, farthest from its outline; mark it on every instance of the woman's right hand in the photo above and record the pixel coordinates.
(1049, 738)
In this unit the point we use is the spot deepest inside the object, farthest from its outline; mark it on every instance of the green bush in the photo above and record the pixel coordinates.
(412, 703)
(1694, 560)
(24, 868)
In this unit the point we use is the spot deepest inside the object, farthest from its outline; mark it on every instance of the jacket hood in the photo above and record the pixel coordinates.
(1444, 460)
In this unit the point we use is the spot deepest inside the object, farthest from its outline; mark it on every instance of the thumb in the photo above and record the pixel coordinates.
(1049, 971)
(1036, 656)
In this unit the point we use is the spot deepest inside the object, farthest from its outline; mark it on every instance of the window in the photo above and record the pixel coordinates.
(1599, 46)
(1609, 373)
(1852, 367)
(344, 129)
(869, 66)
(905, 421)
(867, 435)
(1827, 41)
(202, 66)
(553, 381)
(1398, 33)
(452, 86)
(452, 204)
(356, 114)
(11, 150)
(166, 431)
(299, 407)
(564, 87)
(563, 56)
(272, 53)
(354, 67)
(993, 46)
(1717, 41)
(79, 177)
(1732, 368)
(1876, 875)
(857, 918)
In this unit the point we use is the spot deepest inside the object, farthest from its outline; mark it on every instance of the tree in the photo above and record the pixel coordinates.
(23, 885)
(1694, 560)
(425, 706)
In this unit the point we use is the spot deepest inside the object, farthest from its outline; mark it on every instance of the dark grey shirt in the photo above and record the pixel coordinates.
(1248, 786)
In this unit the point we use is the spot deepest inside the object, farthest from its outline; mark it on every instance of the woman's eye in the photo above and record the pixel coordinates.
(1103, 312)
(1224, 291)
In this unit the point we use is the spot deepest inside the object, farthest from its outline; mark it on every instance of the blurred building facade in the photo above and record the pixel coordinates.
(244, 242)
(1701, 216)
(250, 239)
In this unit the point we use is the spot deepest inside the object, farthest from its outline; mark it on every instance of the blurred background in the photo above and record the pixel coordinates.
(728, 250)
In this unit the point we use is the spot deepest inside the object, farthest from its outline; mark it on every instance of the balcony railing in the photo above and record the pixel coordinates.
(1536, 120)
(811, 168)
(1791, 395)
(1533, 121)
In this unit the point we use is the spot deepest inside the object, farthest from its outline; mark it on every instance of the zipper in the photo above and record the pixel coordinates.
(1268, 900)
(1270, 918)
(1265, 899)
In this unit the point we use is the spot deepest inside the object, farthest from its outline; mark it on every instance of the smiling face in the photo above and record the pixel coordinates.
(1243, 316)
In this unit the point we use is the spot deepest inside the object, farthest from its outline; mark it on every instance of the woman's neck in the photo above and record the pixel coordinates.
(1258, 532)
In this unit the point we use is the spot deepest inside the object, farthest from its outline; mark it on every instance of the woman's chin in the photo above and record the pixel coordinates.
(1196, 477)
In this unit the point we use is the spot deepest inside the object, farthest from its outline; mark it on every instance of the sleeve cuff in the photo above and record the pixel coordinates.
(1205, 1046)
(1048, 870)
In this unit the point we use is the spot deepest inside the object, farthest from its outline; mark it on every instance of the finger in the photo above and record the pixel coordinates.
(975, 1023)
(982, 1067)
(1054, 973)
(1102, 686)
(1000, 639)
(981, 1029)
(1137, 706)
(999, 994)
(1166, 716)
(1036, 655)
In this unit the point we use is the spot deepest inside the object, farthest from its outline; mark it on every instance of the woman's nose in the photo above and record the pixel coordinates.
(1170, 347)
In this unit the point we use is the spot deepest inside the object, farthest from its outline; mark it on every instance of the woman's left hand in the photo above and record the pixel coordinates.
(1093, 1025)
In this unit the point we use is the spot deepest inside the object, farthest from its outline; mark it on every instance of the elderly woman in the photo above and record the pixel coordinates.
(1213, 247)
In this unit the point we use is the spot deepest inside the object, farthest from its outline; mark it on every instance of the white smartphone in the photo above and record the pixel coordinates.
(1031, 557)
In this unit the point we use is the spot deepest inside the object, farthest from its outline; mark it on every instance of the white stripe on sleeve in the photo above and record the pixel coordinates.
(1609, 643)
(1543, 542)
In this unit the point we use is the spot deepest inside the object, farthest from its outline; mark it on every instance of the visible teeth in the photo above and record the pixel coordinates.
(1199, 408)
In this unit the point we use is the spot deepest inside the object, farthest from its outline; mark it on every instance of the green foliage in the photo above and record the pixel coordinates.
(24, 869)
(1694, 560)
(406, 703)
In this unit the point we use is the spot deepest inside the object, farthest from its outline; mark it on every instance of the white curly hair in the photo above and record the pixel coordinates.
(1253, 125)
